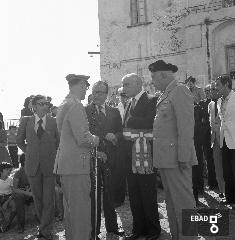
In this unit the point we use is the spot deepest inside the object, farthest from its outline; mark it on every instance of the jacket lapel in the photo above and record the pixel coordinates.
(169, 88)
(48, 123)
(230, 103)
(32, 125)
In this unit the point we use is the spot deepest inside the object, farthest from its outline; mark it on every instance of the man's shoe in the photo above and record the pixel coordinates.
(132, 237)
(117, 232)
(221, 195)
(39, 235)
(152, 237)
(20, 230)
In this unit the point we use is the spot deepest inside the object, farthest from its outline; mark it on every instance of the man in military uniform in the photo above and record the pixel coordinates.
(197, 92)
(173, 145)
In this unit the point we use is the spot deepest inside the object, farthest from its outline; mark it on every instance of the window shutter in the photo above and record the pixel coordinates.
(141, 11)
(231, 59)
(134, 14)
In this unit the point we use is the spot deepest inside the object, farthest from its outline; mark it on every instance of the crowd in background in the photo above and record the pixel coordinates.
(215, 158)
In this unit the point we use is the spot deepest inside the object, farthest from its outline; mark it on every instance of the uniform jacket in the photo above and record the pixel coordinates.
(39, 153)
(173, 128)
(76, 141)
(227, 128)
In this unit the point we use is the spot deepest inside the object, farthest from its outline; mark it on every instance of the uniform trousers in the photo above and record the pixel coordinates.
(179, 195)
(77, 206)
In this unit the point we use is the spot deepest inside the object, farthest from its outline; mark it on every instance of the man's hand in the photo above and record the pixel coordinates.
(111, 137)
(96, 141)
(182, 166)
(28, 193)
(102, 156)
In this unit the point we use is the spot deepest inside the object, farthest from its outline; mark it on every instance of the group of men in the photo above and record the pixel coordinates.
(83, 145)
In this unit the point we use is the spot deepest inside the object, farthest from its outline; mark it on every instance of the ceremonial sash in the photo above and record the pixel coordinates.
(142, 162)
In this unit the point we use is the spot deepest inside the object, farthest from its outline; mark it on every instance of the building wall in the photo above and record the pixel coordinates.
(195, 42)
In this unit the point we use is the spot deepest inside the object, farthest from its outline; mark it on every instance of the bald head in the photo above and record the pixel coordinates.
(132, 84)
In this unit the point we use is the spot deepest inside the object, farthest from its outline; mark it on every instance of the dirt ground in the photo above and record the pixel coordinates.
(209, 199)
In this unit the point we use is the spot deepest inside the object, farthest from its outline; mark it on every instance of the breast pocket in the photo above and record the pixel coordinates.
(165, 110)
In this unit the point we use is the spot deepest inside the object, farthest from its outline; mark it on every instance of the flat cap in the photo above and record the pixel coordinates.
(73, 77)
(160, 65)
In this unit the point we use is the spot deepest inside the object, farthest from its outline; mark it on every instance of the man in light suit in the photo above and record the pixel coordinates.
(215, 137)
(173, 145)
(73, 159)
(226, 108)
(41, 134)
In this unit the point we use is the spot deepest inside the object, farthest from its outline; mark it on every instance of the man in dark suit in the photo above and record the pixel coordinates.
(105, 122)
(41, 134)
(140, 114)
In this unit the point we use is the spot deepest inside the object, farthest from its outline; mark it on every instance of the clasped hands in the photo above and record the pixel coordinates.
(111, 138)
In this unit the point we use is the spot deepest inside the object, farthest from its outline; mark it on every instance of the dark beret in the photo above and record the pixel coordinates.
(74, 77)
(160, 65)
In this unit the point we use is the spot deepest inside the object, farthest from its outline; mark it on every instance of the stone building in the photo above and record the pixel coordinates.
(196, 35)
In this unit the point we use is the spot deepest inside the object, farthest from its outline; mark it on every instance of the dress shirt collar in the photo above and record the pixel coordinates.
(102, 109)
(37, 118)
(171, 86)
(228, 97)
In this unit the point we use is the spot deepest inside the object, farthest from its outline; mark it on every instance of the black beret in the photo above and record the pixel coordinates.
(160, 65)
(73, 77)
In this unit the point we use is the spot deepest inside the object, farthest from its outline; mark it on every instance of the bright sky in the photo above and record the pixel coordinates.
(41, 42)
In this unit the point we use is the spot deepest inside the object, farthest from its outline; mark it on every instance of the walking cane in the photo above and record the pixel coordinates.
(96, 190)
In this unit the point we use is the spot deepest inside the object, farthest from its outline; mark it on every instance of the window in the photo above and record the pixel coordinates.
(138, 12)
(231, 58)
(228, 3)
(231, 62)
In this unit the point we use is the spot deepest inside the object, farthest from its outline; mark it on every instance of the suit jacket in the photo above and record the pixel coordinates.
(141, 117)
(143, 114)
(39, 153)
(227, 128)
(198, 94)
(173, 128)
(76, 141)
(111, 123)
(214, 123)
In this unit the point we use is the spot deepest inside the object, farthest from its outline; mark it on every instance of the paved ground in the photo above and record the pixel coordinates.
(210, 199)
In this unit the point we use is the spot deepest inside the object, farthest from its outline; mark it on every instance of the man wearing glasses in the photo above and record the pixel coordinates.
(105, 122)
(38, 138)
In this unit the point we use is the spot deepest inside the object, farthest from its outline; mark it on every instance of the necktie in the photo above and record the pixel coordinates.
(130, 109)
(101, 110)
(216, 109)
(40, 129)
(133, 101)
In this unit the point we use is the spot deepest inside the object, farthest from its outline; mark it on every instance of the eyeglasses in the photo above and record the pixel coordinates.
(99, 92)
(41, 104)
